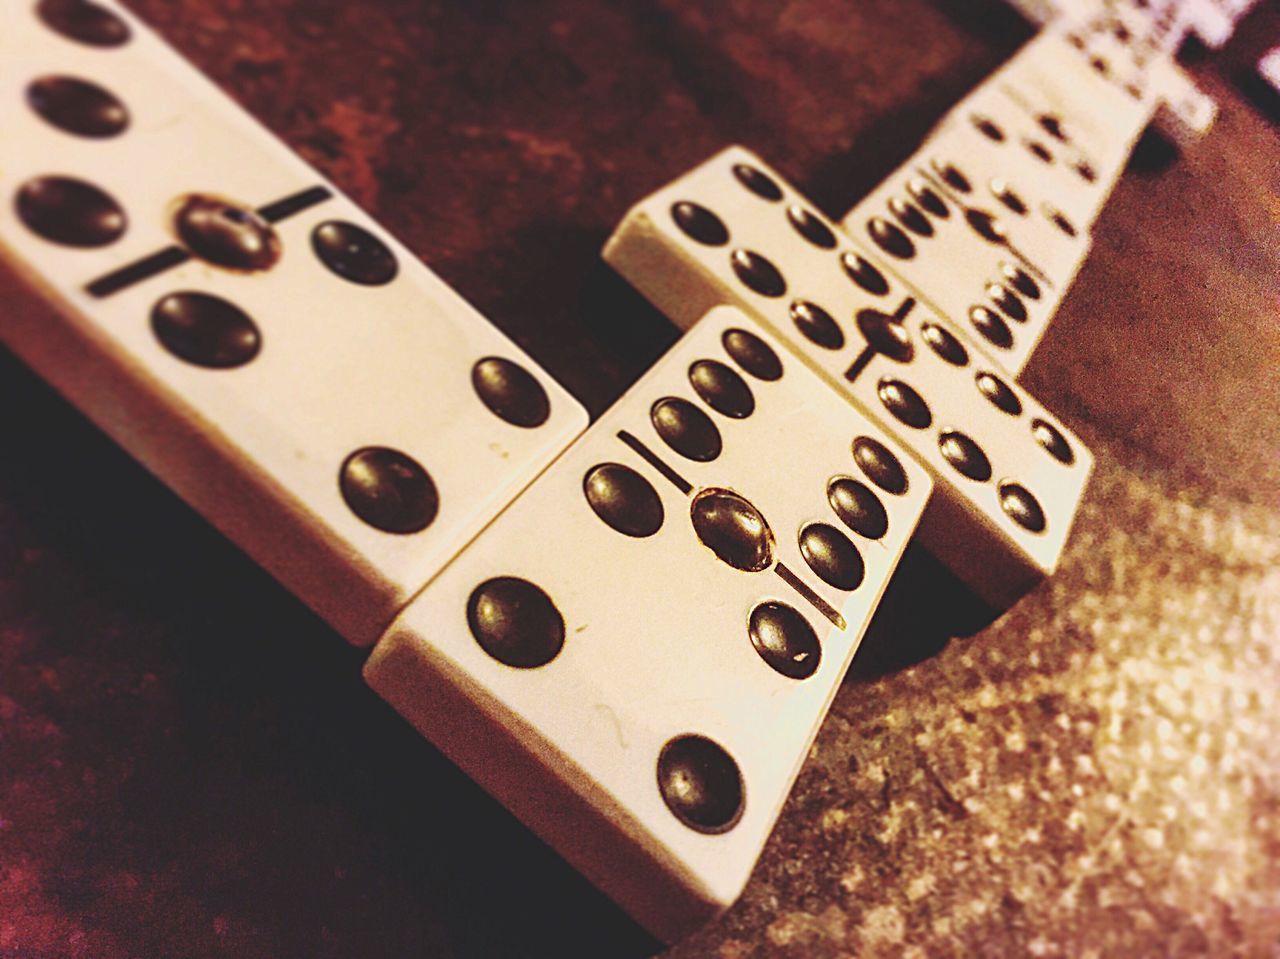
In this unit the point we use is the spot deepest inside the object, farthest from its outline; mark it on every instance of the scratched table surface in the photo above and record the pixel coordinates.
(190, 765)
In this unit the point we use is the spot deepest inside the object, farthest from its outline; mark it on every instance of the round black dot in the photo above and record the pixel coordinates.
(785, 640)
(353, 253)
(1007, 302)
(928, 198)
(388, 490)
(1051, 438)
(880, 465)
(732, 528)
(989, 128)
(205, 330)
(510, 392)
(986, 225)
(811, 228)
(686, 429)
(999, 393)
(78, 106)
(858, 507)
(757, 273)
(1100, 64)
(701, 784)
(699, 223)
(965, 455)
(1020, 280)
(1023, 508)
(722, 389)
(1052, 125)
(84, 22)
(890, 239)
(515, 622)
(953, 176)
(1038, 150)
(752, 354)
(69, 211)
(862, 272)
(904, 403)
(817, 325)
(832, 556)
(623, 499)
(225, 234)
(1009, 197)
(993, 329)
(1060, 220)
(910, 217)
(944, 344)
(885, 335)
(757, 181)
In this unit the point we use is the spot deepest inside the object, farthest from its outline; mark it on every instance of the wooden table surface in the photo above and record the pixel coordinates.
(190, 765)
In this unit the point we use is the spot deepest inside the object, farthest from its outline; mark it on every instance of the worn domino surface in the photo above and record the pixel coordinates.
(649, 642)
(733, 231)
(321, 396)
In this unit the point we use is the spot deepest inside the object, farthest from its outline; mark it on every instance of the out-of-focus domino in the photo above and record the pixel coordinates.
(1046, 190)
(1131, 48)
(636, 655)
(244, 330)
(1186, 113)
(1146, 71)
(1075, 107)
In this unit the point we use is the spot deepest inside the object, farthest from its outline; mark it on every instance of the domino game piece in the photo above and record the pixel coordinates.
(1008, 476)
(1109, 105)
(636, 655)
(1001, 137)
(1073, 110)
(1112, 54)
(1075, 106)
(245, 330)
(1147, 73)
(948, 233)
(338, 411)
(1045, 192)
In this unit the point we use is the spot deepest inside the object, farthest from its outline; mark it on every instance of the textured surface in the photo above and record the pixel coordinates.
(189, 764)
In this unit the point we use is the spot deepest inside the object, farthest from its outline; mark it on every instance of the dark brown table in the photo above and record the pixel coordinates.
(190, 765)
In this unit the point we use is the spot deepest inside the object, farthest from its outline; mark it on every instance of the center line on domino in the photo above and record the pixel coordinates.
(286, 207)
(137, 271)
(859, 363)
(869, 352)
(652, 458)
(168, 257)
(814, 600)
